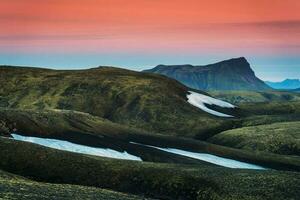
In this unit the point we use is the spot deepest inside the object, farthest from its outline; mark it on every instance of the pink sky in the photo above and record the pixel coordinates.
(148, 27)
(96, 25)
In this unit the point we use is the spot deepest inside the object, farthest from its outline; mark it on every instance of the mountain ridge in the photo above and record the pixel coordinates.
(287, 84)
(232, 74)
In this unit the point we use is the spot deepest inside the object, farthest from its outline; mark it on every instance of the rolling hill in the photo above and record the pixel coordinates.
(92, 131)
(279, 138)
(138, 114)
(156, 180)
(148, 101)
(233, 74)
(238, 97)
(17, 187)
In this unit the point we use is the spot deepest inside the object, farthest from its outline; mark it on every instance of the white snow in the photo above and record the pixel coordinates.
(77, 148)
(199, 100)
(225, 162)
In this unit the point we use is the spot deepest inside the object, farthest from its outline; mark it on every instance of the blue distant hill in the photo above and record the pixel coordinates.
(297, 90)
(287, 84)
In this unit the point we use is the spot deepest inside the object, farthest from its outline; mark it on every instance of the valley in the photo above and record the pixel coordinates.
(149, 100)
(144, 135)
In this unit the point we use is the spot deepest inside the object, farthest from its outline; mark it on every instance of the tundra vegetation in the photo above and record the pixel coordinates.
(115, 108)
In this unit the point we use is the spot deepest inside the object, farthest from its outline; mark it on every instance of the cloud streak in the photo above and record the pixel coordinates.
(166, 28)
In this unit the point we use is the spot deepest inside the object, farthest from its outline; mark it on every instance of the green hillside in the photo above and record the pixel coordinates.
(162, 181)
(16, 187)
(85, 129)
(280, 138)
(148, 101)
(114, 108)
(238, 97)
(82, 128)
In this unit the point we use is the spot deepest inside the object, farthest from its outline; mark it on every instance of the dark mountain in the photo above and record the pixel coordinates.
(287, 84)
(233, 74)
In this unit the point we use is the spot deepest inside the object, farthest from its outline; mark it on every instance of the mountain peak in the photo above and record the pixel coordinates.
(231, 74)
(239, 60)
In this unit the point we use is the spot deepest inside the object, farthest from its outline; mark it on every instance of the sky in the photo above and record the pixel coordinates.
(139, 34)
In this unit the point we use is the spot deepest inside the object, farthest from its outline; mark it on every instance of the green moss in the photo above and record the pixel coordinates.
(16, 187)
(239, 97)
(83, 128)
(163, 181)
(280, 138)
(147, 101)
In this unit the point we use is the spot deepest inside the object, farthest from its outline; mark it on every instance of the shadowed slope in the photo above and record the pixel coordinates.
(163, 181)
(16, 187)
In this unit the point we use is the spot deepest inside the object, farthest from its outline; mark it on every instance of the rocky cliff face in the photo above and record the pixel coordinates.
(233, 74)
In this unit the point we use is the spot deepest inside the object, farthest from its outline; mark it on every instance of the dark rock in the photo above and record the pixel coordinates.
(233, 74)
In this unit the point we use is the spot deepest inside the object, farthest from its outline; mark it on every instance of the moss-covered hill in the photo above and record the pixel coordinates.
(109, 107)
(148, 101)
(280, 138)
(238, 97)
(85, 129)
(17, 187)
(60, 124)
(163, 181)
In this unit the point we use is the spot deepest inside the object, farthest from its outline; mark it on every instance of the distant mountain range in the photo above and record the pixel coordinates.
(233, 74)
(287, 84)
(296, 90)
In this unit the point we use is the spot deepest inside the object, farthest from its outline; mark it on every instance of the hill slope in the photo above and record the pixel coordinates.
(162, 181)
(16, 187)
(237, 97)
(280, 138)
(148, 101)
(233, 74)
(287, 84)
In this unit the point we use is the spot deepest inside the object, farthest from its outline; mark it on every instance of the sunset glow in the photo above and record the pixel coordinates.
(141, 33)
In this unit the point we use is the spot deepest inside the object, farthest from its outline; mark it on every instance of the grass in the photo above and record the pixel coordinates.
(253, 114)
(109, 107)
(144, 101)
(82, 128)
(17, 187)
(279, 138)
(163, 181)
(59, 123)
(147, 101)
(239, 97)
(94, 131)
(270, 108)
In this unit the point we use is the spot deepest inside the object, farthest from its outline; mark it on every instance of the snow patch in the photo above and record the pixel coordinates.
(200, 101)
(225, 162)
(77, 148)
